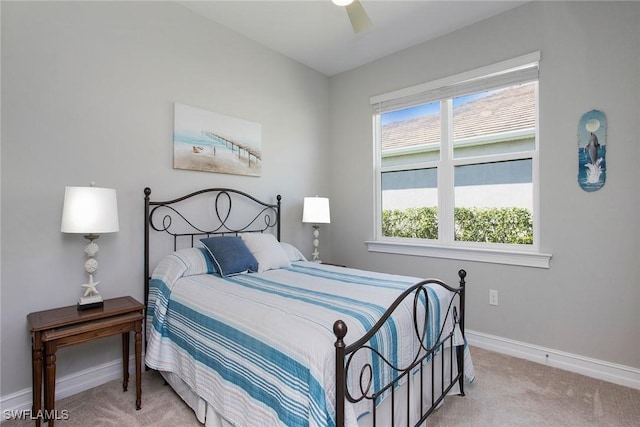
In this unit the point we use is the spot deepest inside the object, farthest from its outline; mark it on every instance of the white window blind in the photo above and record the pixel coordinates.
(518, 70)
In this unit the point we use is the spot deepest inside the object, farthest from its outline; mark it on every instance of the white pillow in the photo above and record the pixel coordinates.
(292, 252)
(267, 250)
(196, 261)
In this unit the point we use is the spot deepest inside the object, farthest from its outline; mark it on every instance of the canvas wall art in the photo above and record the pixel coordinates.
(212, 142)
(592, 150)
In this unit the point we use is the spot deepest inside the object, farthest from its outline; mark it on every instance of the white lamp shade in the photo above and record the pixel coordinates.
(90, 210)
(342, 2)
(316, 210)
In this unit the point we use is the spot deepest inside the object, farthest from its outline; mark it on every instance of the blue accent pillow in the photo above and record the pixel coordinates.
(230, 255)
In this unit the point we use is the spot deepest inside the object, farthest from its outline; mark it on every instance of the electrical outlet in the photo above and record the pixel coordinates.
(493, 297)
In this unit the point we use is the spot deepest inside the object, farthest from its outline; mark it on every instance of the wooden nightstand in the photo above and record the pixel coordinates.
(60, 327)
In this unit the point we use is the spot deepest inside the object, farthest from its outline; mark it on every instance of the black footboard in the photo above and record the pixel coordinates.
(444, 350)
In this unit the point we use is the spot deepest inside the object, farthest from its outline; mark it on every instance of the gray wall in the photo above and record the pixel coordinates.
(587, 302)
(87, 95)
(88, 91)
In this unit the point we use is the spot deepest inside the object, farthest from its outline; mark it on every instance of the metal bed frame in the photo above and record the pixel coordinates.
(164, 216)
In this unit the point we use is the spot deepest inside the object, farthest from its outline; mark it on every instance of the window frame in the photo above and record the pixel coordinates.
(485, 78)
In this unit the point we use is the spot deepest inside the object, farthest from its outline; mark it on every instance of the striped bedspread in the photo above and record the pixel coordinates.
(260, 347)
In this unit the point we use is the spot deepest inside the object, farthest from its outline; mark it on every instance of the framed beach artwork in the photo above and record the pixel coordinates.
(211, 142)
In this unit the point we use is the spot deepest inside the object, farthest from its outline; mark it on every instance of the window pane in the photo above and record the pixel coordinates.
(411, 135)
(495, 121)
(494, 202)
(410, 203)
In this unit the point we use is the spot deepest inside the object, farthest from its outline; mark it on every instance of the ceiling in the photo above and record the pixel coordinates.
(318, 33)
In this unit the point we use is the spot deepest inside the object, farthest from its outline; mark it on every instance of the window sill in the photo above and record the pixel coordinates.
(509, 257)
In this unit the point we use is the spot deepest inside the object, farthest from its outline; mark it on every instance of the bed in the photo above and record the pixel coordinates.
(250, 333)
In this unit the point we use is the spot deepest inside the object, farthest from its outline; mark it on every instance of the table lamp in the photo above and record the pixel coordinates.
(316, 211)
(90, 211)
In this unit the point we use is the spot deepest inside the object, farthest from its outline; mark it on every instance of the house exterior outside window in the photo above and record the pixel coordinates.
(457, 167)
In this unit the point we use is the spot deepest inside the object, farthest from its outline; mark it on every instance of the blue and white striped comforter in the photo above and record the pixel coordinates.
(259, 347)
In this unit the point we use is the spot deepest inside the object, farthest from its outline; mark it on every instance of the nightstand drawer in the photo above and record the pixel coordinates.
(92, 330)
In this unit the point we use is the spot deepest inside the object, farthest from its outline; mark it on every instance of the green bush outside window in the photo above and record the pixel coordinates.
(491, 225)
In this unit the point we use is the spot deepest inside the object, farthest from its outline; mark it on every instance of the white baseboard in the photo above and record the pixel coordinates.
(72, 384)
(606, 371)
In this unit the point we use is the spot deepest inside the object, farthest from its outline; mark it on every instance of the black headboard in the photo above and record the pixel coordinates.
(174, 218)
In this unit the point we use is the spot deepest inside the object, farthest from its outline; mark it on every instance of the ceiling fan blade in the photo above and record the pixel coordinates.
(358, 17)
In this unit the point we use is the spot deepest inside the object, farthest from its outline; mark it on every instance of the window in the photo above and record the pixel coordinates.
(456, 171)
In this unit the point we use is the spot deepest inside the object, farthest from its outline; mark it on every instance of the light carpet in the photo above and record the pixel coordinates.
(507, 391)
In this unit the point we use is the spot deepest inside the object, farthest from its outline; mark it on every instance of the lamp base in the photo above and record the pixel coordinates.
(87, 303)
(316, 251)
(82, 307)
